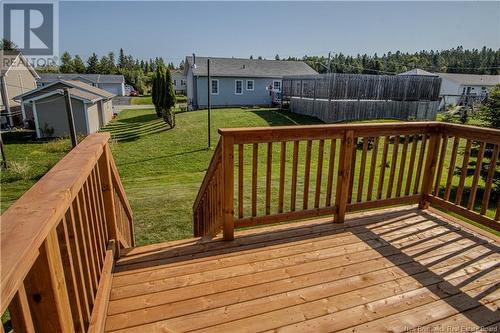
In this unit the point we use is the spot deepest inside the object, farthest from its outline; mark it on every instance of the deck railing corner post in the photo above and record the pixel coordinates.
(228, 186)
(344, 173)
(430, 166)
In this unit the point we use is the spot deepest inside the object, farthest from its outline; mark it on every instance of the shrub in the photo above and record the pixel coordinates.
(20, 169)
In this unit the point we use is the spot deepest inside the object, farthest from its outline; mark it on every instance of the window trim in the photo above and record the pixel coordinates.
(211, 87)
(236, 85)
(279, 81)
(253, 85)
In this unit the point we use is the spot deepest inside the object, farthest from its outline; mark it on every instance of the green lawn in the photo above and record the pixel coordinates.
(162, 168)
(141, 100)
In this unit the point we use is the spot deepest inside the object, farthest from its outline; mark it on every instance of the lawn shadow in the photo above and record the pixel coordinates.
(139, 119)
(285, 118)
(162, 157)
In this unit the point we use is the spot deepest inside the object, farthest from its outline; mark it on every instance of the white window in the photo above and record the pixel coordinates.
(215, 87)
(277, 85)
(183, 82)
(238, 87)
(250, 85)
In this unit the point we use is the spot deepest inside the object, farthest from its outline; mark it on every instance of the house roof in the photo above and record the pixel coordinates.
(472, 79)
(418, 71)
(236, 67)
(76, 88)
(92, 78)
(14, 55)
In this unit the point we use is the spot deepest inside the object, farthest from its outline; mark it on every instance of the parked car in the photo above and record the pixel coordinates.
(133, 93)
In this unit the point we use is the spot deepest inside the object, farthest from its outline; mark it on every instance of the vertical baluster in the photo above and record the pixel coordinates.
(331, 167)
(382, 168)
(79, 230)
(402, 164)
(430, 169)
(373, 164)
(20, 314)
(240, 180)
(442, 156)
(475, 179)
(293, 192)
(101, 202)
(281, 191)
(362, 169)
(420, 164)
(96, 214)
(93, 229)
(319, 173)
(451, 168)
(394, 160)
(254, 178)
(69, 270)
(351, 176)
(89, 240)
(411, 166)
(307, 171)
(489, 179)
(268, 176)
(463, 172)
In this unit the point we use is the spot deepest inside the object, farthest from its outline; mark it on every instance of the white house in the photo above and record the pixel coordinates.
(179, 81)
(45, 108)
(456, 85)
(114, 84)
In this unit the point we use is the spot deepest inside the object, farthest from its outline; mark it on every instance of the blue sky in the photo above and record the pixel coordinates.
(240, 29)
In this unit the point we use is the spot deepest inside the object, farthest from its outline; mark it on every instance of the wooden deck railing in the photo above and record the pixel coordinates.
(59, 240)
(286, 173)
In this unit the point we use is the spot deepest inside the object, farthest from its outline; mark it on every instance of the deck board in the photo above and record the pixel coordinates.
(388, 270)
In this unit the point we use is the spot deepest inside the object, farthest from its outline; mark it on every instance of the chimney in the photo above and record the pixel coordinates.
(194, 60)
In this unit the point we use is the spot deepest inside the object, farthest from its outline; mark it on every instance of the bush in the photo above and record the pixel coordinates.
(181, 99)
(20, 170)
(58, 146)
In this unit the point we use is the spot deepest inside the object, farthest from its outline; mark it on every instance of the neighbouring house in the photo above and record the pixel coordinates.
(457, 87)
(44, 108)
(114, 84)
(179, 81)
(238, 82)
(17, 76)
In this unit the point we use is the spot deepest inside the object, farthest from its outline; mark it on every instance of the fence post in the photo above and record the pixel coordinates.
(47, 291)
(430, 168)
(344, 174)
(107, 193)
(228, 186)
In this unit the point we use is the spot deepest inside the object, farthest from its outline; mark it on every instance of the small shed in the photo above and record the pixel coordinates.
(44, 108)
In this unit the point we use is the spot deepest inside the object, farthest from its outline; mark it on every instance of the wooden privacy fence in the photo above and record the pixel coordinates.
(59, 240)
(342, 97)
(275, 174)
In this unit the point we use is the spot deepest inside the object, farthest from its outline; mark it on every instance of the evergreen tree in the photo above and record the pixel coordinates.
(277, 57)
(121, 59)
(66, 64)
(7, 45)
(78, 65)
(93, 64)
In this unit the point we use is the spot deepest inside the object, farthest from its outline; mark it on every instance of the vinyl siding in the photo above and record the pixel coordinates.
(54, 115)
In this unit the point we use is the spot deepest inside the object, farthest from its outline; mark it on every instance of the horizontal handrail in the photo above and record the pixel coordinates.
(57, 239)
(274, 174)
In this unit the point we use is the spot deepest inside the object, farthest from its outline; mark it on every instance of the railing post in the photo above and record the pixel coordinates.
(228, 186)
(107, 192)
(430, 168)
(344, 174)
(47, 291)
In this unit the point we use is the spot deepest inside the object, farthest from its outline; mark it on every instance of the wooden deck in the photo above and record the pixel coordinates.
(393, 270)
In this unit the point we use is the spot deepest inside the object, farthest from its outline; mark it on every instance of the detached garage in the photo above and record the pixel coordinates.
(45, 108)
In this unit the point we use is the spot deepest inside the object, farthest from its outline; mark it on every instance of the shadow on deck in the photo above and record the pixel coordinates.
(394, 270)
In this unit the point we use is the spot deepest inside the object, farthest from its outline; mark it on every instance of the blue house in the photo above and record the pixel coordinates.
(238, 82)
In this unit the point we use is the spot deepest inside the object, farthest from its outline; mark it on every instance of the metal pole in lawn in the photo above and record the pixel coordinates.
(71, 120)
(209, 99)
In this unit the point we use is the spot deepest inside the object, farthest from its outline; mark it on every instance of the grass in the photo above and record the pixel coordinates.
(141, 100)
(162, 168)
